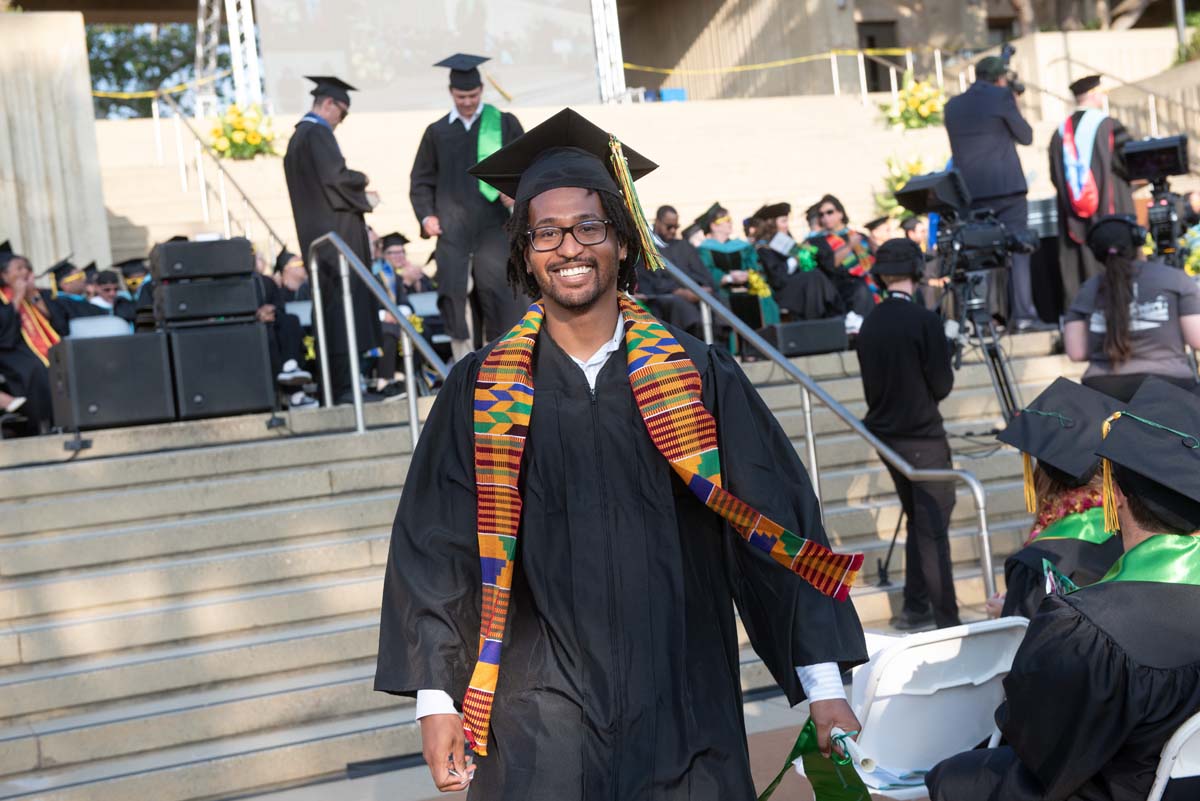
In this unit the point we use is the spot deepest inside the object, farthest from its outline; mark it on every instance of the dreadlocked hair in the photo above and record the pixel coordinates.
(623, 228)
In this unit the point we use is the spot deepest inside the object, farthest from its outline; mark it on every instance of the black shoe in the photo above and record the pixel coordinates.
(912, 621)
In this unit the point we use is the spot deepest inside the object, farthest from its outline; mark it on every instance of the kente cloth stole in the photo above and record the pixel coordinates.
(666, 388)
(35, 330)
(491, 137)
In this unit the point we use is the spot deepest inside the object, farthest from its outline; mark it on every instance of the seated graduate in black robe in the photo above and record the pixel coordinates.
(26, 337)
(1107, 673)
(1061, 429)
(614, 607)
(661, 293)
(69, 298)
(802, 291)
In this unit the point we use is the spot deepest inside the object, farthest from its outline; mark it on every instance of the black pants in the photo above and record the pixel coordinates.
(1013, 211)
(928, 576)
(285, 340)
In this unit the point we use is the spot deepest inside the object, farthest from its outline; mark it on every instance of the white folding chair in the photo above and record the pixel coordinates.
(424, 304)
(302, 309)
(92, 327)
(929, 696)
(1180, 757)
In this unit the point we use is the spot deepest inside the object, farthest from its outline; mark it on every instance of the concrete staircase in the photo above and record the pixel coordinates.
(189, 611)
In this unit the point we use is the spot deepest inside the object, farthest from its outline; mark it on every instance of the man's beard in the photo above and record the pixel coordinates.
(576, 300)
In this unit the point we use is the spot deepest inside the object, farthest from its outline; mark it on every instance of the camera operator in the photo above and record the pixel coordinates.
(904, 360)
(1089, 176)
(1132, 320)
(985, 127)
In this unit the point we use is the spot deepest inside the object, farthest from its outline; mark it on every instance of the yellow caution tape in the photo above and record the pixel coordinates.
(171, 90)
(767, 65)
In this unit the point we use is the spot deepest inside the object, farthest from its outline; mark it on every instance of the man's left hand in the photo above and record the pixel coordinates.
(826, 715)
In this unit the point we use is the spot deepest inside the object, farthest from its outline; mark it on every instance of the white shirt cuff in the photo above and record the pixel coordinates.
(821, 682)
(434, 702)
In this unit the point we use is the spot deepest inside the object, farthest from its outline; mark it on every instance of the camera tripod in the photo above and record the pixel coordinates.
(970, 295)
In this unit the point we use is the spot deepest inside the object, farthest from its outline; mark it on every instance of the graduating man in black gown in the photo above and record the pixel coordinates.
(615, 605)
(1061, 429)
(327, 196)
(466, 215)
(1089, 176)
(1107, 673)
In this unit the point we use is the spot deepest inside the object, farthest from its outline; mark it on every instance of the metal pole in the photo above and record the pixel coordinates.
(962, 82)
(410, 386)
(862, 77)
(937, 68)
(810, 441)
(833, 70)
(1152, 102)
(1180, 25)
(908, 61)
(895, 87)
(985, 538)
(224, 202)
(314, 280)
(706, 322)
(158, 148)
(201, 182)
(179, 154)
(249, 218)
(971, 73)
(360, 426)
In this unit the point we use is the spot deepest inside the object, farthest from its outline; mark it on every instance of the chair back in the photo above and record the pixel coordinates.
(107, 326)
(302, 309)
(424, 304)
(1180, 757)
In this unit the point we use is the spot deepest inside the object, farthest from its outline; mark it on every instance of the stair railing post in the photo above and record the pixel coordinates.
(318, 311)
(183, 182)
(410, 386)
(908, 61)
(937, 68)
(862, 77)
(1152, 105)
(154, 112)
(360, 426)
(895, 87)
(833, 71)
(706, 324)
(810, 442)
(202, 184)
(224, 203)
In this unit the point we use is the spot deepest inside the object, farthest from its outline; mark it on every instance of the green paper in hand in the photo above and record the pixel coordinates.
(831, 780)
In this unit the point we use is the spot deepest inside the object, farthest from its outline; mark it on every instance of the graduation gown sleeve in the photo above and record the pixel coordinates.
(429, 626)
(790, 623)
(344, 189)
(423, 178)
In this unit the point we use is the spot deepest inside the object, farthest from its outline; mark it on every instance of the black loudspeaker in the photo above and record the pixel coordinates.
(111, 381)
(808, 337)
(221, 370)
(198, 300)
(216, 259)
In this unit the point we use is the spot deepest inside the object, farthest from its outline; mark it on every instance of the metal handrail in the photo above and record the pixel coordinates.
(223, 177)
(348, 261)
(809, 386)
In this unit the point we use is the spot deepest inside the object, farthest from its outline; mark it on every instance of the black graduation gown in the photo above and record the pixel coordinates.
(327, 196)
(1101, 681)
(619, 677)
(473, 240)
(1076, 262)
(1082, 562)
(659, 288)
(24, 374)
(803, 295)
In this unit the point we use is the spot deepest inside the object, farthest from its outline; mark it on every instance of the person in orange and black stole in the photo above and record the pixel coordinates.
(904, 360)
(26, 337)
(845, 255)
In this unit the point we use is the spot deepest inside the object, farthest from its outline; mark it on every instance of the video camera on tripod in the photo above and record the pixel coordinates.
(1156, 160)
(970, 244)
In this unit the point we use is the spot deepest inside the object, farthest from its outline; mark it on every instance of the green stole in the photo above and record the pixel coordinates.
(1162, 559)
(1085, 526)
(491, 138)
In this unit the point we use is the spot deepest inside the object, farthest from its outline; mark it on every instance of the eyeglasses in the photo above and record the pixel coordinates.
(344, 109)
(828, 212)
(549, 237)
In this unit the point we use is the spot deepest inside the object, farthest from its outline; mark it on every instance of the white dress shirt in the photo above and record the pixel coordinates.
(466, 121)
(821, 682)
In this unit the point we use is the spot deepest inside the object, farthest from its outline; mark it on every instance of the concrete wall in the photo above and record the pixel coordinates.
(51, 202)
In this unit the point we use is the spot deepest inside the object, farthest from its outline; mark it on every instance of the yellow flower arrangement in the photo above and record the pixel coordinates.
(899, 171)
(758, 285)
(242, 133)
(919, 105)
(417, 323)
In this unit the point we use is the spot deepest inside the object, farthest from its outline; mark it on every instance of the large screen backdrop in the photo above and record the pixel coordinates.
(543, 51)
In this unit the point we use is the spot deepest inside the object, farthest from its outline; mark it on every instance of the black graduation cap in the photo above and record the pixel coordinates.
(131, 268)
(1061, 429)
(6, 253)
(690, 231)
(464, 71)
(284, 259)
(61, 271)
(1152, 449)
(704, 221)
(330, 86)
(5, 247)
(875, 223)
(773, 210)
(1084, 85)
(900, 256)
(90, 271)
(393, 239)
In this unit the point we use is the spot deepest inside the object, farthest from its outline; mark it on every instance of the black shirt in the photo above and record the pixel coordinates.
(904, 360)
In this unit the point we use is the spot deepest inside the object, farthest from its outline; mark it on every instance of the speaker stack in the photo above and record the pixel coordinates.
(105, 382)
(205, 299)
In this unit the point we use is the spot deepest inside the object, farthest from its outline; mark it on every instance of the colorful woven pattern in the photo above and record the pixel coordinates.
(667, 390)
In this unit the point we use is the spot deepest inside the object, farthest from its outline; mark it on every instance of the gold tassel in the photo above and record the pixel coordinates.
(1111, 523)
(1030, 489)
(650, 256)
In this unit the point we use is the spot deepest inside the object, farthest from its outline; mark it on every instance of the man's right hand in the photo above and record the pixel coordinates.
(432, 226)
(442, 745)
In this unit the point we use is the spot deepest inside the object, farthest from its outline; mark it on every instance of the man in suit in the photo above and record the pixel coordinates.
(985, 126)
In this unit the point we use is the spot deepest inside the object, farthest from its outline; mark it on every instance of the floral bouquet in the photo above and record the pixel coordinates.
(919, 104)
(899, 172)
(242, 134)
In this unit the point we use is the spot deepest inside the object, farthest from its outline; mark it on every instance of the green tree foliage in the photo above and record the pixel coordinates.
(133, 58)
